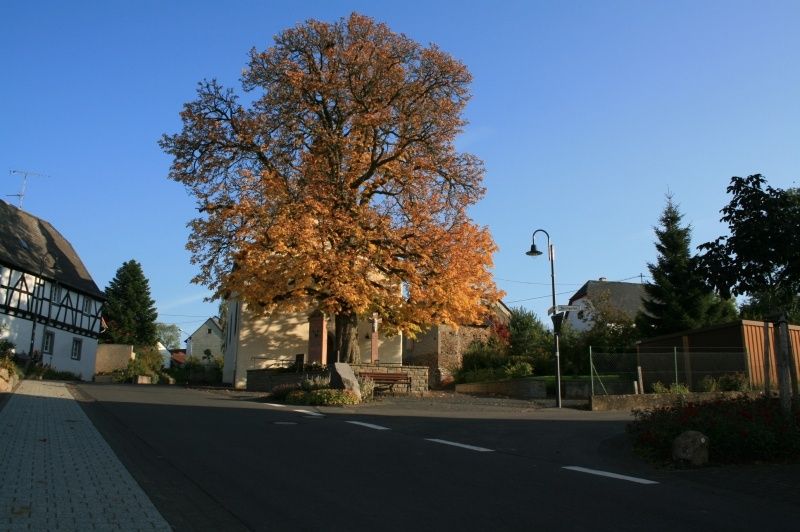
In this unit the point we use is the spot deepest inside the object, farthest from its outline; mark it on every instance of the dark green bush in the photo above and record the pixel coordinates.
(709, 384)
(280, 391)
(734, 382)
(740, 430)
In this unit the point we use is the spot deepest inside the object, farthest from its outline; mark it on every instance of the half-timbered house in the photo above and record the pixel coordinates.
(49, 305)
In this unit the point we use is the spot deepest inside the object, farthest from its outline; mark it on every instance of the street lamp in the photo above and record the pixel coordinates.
(557, 316)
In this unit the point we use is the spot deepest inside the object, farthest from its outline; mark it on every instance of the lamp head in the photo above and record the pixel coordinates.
(533, 251)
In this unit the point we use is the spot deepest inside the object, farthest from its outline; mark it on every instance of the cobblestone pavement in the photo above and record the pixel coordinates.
(57, 471)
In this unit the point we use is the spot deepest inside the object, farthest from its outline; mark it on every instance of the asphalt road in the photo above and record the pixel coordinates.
(217, 461)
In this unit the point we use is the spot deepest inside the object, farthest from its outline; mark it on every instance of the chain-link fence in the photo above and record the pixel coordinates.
(659, 369)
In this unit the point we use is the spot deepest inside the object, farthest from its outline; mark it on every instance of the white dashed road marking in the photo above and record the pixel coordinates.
(368, 425)
(462, 445)
(309, 413)
(610, 475)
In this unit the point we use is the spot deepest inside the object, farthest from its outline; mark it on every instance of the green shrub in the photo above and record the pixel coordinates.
(49, 374)
(322, 397)
(316, 382)
(6, 348)
(480, 375)
(482, 356)
(297, 397)
(280, 391)
(734, 382)
(709, 384)
(740, 430)
(484, 362)
(518, 369)
(677, 388)
(331, 397)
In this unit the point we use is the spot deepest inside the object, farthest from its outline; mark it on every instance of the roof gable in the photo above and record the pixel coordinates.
(33, 245)
(625, 297)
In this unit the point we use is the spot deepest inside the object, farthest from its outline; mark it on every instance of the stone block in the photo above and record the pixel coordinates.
(343, 378)
(690, 447)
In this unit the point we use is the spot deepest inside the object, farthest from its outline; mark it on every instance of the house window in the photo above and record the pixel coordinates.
(77, 345)
(49, 340)
(87, 305)
(55, 294)
(209, 331)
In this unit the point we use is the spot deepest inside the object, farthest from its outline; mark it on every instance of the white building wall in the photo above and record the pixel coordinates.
(19, 332)
(581, 320)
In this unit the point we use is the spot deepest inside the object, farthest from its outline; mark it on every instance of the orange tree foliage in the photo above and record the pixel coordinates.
(339, 183)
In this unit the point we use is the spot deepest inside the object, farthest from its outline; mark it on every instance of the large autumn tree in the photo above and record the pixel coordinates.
(338, 185)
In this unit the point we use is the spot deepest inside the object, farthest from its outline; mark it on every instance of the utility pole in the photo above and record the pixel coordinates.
(24, 174)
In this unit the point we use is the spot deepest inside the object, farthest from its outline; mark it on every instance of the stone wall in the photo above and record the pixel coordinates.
(527, 388)
(454, 342)
(418, 374)
(8, 380)
(264, 380)
(657, 400)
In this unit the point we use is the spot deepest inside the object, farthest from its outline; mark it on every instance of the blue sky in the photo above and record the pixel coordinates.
(586, 114)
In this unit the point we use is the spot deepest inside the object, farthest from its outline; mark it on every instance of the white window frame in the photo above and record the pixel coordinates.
(47, 346)
(75, 354)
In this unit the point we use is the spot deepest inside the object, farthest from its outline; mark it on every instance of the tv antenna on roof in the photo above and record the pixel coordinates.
(24, 174)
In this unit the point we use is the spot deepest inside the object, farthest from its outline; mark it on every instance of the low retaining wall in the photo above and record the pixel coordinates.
(418, 374)
(583, 389)
(657, 400)
(519, 388)
(264, 380)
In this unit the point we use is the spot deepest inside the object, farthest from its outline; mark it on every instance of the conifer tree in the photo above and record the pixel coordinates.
(677, 297)
(129, 312)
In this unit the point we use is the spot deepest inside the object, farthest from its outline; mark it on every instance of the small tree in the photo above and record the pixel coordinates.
(529, 337)
(678, 298)
(129, 312)
(169, 334)
(760, 257)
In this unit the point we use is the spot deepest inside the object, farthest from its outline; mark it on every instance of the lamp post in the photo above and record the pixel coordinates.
(557, 317)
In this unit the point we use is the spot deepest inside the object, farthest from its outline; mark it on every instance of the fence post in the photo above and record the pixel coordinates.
(675, 361)
(591, 369)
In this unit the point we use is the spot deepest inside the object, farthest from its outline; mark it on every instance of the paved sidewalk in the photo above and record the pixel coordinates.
(57, 472)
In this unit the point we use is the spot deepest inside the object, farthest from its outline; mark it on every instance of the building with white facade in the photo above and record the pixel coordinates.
(205, 344)
(50, 307)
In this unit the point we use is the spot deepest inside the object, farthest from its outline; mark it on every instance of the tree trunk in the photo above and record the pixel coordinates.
(347, 338)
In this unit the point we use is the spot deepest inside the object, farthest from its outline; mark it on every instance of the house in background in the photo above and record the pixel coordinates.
(205, 344)
(442, 347)
(618, 296)
(49, 304)
(254, 341)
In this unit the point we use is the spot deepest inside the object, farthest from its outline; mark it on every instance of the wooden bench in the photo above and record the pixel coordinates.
(389, 379)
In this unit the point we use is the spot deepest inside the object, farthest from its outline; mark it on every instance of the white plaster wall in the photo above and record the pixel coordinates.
(575, 322)
(18, 331)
